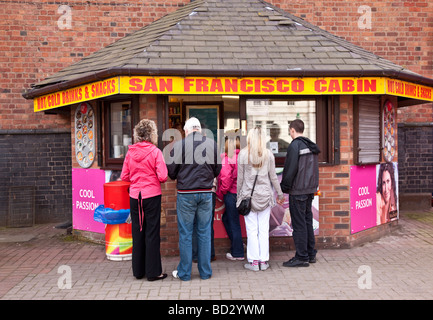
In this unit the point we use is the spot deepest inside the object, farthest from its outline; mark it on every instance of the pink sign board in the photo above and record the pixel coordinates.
(87, 195)
(362, 197)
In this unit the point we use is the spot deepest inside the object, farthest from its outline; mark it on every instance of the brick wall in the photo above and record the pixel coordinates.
(415, 158)
(401, 31)
(34, 46)
(42, 160)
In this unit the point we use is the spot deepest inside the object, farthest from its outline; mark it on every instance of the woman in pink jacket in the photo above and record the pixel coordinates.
(145, 168)
(226, 191)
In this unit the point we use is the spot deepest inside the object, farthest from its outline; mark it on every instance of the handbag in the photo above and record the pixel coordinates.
(244, 207)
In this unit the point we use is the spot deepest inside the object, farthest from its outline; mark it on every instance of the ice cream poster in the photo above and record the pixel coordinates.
(280, 223)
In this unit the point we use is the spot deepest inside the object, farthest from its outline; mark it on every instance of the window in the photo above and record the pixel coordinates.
(276, 114)
(119, 121)
(204, 108)
(120, 126)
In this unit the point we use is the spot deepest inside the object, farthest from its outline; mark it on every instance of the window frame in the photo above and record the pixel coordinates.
(327, 134)
(109, 163)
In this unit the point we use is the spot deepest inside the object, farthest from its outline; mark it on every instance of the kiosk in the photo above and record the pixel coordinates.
(246, 64)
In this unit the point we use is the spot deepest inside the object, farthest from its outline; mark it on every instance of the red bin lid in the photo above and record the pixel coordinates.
(117, 184)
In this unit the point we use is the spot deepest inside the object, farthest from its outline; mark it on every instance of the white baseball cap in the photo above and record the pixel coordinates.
(192, 124)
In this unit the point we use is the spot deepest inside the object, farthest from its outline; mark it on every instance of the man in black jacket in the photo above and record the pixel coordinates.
(194, 164)
(301, 180)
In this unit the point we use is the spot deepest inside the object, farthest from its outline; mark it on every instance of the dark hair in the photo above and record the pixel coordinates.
(388, 166)
(298, 125)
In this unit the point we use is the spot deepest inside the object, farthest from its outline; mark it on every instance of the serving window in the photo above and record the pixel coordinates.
(276, 114)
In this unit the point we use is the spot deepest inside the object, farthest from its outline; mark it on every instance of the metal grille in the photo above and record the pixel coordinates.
(369, 130)
(21, 211)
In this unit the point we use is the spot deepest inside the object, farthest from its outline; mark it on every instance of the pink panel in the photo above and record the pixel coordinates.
(87, 195)
(362, 197)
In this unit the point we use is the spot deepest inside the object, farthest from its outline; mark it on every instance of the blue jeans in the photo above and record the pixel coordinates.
(302, 223)
(212, 237)
(232, 225)
(198, 207)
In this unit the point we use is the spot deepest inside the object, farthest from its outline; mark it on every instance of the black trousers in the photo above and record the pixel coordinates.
(146, 255)
(302, 223)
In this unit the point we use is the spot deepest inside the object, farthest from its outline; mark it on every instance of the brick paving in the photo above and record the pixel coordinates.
(31, 262)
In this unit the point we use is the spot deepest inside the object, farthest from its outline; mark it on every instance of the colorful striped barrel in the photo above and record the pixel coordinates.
(118, 241)
(118, 237)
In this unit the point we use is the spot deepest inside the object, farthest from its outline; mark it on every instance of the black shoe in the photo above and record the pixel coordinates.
(295, 262)
(312, 258)
(162, 276)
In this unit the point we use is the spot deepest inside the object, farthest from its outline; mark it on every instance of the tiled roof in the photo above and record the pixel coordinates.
(231, 35)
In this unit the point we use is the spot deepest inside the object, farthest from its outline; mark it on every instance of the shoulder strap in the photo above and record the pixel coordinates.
(254, 185)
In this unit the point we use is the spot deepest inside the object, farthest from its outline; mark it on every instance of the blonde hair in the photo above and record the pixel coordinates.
(256, 143)
(146, 130)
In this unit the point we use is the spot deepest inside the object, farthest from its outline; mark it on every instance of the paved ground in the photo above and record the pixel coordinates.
(36, 263)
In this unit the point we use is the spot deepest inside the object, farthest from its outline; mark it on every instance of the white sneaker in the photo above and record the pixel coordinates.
(251, 267)
(264, 265)
(230, 257)
(174, 273)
